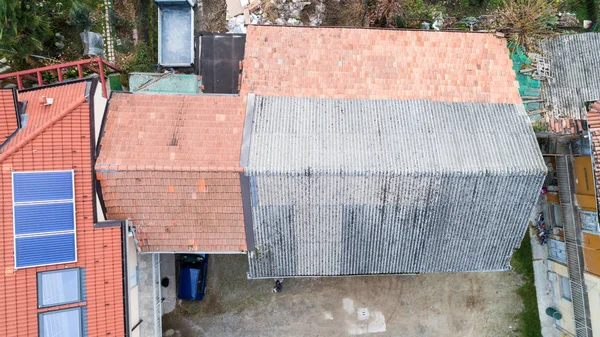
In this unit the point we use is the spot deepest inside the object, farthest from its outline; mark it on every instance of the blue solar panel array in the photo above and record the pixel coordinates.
(44, 218)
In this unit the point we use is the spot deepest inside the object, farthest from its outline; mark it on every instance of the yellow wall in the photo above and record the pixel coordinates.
(586, 202)
(552, 197)
(584, 183)
(591, 253)
(593, 287)
(565, 307)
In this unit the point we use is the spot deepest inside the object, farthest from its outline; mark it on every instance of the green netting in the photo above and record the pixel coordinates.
(527, 85)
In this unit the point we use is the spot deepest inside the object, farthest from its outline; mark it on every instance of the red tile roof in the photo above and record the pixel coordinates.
(170, 163)
(50, 142)
(8, 114)
(378, 64)
(593, 121)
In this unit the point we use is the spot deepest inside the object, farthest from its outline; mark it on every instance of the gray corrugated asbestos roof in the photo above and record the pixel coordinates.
(575, 74)
(352, 187)
(294, 135)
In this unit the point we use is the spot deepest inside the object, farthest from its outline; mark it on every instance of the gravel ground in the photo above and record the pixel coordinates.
(473, 304)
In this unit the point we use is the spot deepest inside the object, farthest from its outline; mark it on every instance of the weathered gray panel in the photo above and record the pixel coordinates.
(391, 187)
(305, 135)
(418, 224)
(275, 237)
(574, 74)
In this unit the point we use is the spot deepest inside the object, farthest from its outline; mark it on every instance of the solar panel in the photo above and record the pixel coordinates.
(42, 186)
(40, 218)
(45, 250)
(44, 218)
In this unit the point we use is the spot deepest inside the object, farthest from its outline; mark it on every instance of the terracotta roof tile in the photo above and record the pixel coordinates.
(173, 132)
(40, 117)
(170, 163)
(378, 64)
(593, 121)
(64, 144)
(8, 114)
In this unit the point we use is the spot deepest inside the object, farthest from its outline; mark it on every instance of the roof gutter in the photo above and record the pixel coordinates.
(194, 252)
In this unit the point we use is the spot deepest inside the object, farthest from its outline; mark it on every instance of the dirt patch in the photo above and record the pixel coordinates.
(347, 13)
(126, 9)
(466, 304)
(211, 16)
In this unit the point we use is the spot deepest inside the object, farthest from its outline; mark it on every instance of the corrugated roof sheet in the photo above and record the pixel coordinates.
(574, 74)
(8, 114)
(346, 187)
(64, 144)
(297, 135)
(170, 163)
(378, 64)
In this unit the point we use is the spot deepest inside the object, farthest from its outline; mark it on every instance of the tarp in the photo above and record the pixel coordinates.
(93, 44)
(527, 86)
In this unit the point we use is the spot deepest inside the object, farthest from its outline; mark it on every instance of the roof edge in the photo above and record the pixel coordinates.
(114, 168)
(530, 170)
(42, 128)
(58, 84)
(432, 31)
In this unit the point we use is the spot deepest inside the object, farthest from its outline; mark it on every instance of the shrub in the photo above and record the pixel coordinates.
(412, 12)
(540, 126)
(141, 62)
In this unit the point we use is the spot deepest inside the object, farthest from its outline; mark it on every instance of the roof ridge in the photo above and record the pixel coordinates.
(103, 167)
(41, 129)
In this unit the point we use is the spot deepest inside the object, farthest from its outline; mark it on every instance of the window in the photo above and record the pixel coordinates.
(555, 215)
(565, 288)
(63, 323)
(133, 277)
(60, 287)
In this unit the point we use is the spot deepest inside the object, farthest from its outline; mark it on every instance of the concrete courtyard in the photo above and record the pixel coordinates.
(474, 304)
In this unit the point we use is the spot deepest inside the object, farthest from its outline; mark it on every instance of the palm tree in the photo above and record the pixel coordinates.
(23, 30)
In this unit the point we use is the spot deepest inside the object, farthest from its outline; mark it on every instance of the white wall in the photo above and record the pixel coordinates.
(99, 107)
(134, 305)
(593, 287)
(565, 307)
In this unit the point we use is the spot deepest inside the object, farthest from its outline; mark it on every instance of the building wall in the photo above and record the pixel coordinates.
(565, 307)
(134, 305)
(134, 311)
(552, 197)
(593, 287)
(591, 253)
(99, 109)
(584, 183)
(98, 249)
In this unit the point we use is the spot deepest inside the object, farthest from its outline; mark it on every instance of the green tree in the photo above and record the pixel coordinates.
(23, 30)
(79, 16)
